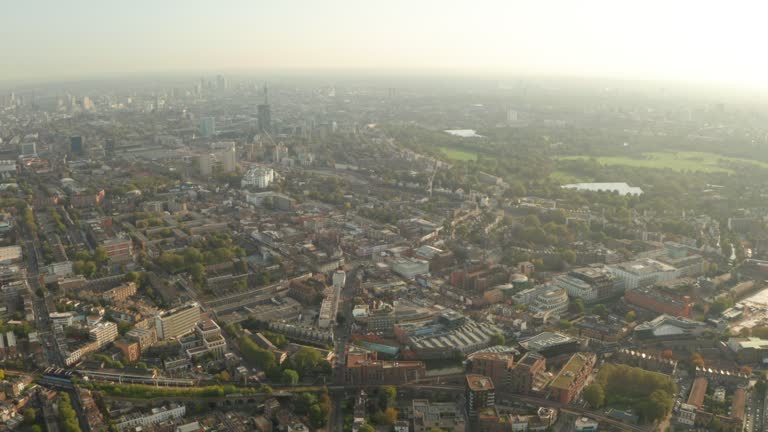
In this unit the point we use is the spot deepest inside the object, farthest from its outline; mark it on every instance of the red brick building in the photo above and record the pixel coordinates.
(660, 301)
(363, 368)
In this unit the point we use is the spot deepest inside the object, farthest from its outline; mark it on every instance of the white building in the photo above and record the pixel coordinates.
(260, 177)
(552, 302)
(157, 415)
(339, 278)
(409, 267)
(103, 333)
(643, 272)
(177, 322)
(576, 287)
(62, 319)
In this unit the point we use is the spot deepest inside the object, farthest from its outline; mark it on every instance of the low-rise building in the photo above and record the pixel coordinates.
(572, 377)
(156, 416)
(362, 367)
(429, 415)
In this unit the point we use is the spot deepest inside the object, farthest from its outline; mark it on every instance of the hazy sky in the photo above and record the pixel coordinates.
(697, 40)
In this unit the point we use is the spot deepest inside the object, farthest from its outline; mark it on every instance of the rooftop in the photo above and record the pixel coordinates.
(568, 373)
(479, 382)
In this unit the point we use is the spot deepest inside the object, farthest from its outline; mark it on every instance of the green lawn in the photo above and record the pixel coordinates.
(458, 154)
(679, 161)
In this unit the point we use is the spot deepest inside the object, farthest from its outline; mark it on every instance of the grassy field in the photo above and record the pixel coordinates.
(457, 154)
(679, 161)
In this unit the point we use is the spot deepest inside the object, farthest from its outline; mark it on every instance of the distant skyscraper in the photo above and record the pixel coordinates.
(29, 148)
(265, 114)
(207, 127)
(228, 158)
(205, 164)
(221, 83)
(511, 116)
(76, 145)
(87, 103)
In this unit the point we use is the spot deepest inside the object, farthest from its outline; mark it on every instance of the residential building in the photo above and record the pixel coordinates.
(527, 375)
(120, 292)
(145, 337)
(119, 250)
(130, 349)
(479, 394)
(572, 377)
(156, 416)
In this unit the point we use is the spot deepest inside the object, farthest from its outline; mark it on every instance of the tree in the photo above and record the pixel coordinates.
(600, 310)
(697, 360)
(36, 428)
(100, 255)
(262, 358)
(387, 395)
(594, 394)
(564, 324)
(497, 339)
(30, 415)
(630, 317)
(390, 416)
(667, 354)
(306, 360)
(290, 377)
(576, 306)
(366, 428)
(746, 370)
(568, 256)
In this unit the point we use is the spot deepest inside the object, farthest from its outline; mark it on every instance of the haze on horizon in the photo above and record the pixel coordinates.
(685, 40)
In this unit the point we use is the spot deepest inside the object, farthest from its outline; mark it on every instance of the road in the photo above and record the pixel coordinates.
(343, 331)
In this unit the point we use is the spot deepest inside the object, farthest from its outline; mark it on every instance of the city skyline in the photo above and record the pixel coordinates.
(684, 41)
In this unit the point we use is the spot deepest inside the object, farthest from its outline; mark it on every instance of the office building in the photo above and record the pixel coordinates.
(659, 300)
(643, 272)
(550, 303)
(177, 322)
(590, 284)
